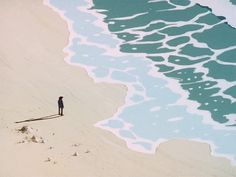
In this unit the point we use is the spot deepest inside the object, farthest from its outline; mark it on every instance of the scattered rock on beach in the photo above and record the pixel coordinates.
(23, 141)
(75, 145)
(88, 151)
(30, 135)
(48, 159)
(36, 139)
(75, 154)
(25, 129)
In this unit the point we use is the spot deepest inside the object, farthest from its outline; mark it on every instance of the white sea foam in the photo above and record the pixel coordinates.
(221, 8)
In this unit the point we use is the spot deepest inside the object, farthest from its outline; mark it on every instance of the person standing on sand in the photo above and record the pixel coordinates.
(60, 106)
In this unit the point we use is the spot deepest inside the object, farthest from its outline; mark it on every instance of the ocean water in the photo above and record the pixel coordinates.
(177, 59)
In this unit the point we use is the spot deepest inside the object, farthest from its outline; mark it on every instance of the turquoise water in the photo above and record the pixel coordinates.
(177, 59)
(233, 2)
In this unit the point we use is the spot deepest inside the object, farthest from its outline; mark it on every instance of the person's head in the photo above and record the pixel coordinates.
(60, 98)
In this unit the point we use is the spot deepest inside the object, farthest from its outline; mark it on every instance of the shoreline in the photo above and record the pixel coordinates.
(192, 109)
(129, 144)
(42, 76)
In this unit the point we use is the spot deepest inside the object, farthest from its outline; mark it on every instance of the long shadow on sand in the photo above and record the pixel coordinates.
(53, 116)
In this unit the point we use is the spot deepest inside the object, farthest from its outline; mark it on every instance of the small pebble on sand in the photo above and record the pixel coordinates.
(75, 154)
(48, 159)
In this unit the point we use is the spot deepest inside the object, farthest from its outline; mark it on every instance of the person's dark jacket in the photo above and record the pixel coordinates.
(60, 103)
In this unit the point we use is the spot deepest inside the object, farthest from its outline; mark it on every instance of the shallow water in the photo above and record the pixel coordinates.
(177, 59)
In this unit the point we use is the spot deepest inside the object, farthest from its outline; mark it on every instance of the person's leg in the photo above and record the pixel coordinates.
(61, 111)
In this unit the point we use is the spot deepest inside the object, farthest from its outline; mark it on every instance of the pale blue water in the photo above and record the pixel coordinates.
(178, 60)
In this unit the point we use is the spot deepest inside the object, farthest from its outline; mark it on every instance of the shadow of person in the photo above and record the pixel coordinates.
(53, 116)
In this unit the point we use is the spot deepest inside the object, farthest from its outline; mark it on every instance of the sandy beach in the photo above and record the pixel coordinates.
(33, 75)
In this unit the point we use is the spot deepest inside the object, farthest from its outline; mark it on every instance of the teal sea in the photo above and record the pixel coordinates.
(177, 59)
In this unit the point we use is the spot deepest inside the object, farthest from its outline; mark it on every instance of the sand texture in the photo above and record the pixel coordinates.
(33, 74)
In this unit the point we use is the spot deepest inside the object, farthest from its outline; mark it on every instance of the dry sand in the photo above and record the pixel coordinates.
(33, 74)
